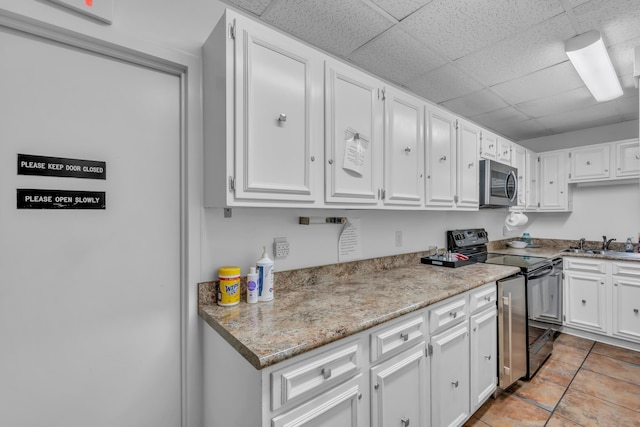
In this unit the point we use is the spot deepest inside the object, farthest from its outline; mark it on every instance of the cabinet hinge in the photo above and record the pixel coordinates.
(538, 159)
(429, 350)
(232, 184)
(381, 94)
(564, 318)
(232, 30)
(383, 193)
(456, 124)
(569, 154)
(563, 275)
(569, 175)
(538, 204)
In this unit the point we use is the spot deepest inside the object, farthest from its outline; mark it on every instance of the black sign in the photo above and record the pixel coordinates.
(60, 199)
(58, 166)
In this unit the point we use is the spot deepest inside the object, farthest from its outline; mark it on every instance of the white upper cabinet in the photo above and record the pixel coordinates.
(263, 117)
(488, 146)
(504, 151)
(531, 176)
(403, 149)
(440, 159)
(520, 163)
(467, 173)
(554, 189)
(353, 133)
(589, 163)
(627, 158)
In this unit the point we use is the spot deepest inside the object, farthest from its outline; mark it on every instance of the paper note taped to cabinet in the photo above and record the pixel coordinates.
(355, 150)
(349, 243)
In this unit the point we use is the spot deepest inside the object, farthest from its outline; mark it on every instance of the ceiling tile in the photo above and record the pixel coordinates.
(547, 82)
(400, 9)
(537, 48)
(336, 26)
(459, 27)
(597, 115)
(494, 119)
(617, 20)
(627, 107)
(253, 6)
(445, 83)
(622, 55)
(576, 3)
(397, 56)
(475, 103)
(526, 129)
(570, 100)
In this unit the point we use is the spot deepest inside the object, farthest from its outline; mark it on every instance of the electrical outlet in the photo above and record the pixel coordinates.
(280, 247)
(398, 239)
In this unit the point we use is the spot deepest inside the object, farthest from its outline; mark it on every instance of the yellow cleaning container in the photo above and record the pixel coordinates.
(229, 287)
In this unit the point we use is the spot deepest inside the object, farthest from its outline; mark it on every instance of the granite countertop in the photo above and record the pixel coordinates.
(305, 317)
(553, 252)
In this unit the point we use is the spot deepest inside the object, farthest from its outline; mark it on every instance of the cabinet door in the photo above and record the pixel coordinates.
(589, 163)
(484, 349)
(553, 181)
(278, 116)
(399, 390)
(404, 149)
(488, 146)
(440, 159)
(585, 301)
(467, 169)
(531, 198)
(626, 307)
(353, 148)
(450, 376)
(520, 162)
(627, 158)
(504, 151)
(337, 407)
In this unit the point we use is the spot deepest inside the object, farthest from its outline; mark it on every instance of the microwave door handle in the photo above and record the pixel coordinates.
(513, 176)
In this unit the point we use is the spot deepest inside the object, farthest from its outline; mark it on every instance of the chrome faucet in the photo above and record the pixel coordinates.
(606, 243)
(581, 243)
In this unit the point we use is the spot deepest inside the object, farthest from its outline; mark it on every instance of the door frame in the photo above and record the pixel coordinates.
(188, 73)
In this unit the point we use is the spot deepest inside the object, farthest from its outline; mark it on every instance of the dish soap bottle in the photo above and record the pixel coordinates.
(628, 247)
(526, 238)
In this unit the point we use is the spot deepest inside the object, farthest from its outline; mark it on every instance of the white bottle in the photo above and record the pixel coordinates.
(252, 286)
(265, 276)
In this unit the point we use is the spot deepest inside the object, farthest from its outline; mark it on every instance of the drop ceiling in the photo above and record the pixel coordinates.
(500, 63)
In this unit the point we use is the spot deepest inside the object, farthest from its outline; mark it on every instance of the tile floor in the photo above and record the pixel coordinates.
(584, 383)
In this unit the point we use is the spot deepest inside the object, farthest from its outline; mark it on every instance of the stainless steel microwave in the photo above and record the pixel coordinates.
(498, 184)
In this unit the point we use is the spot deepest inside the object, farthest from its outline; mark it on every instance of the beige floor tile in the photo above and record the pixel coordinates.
(609, 389)
(615, 368)
(617, 353)
(573, 341)
(589, 411)
(540, 392)
(560, 421)
(556, 371)
(508, 410)
(474, 422)
(567, 354)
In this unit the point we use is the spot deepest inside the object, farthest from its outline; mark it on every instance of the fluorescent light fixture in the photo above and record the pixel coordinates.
(590, 58)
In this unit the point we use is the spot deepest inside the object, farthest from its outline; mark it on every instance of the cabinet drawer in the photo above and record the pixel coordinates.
(585, 264)
(451, 312)
(397, 337)
(626, 268)
(483, 297)
(313, 375)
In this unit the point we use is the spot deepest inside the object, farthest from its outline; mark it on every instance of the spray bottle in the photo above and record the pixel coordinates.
(265, 276)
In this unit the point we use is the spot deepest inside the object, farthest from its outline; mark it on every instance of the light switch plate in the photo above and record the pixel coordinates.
(101, 10)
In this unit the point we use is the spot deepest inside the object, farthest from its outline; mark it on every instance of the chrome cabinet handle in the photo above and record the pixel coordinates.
(635, 310)
(443, 158)
(471, 164)
(550, 182)
(584, 301)
(487, 298)
(490, 145)
(588, 162)
(487, 356)
(455, 384)
(405, 337)
(282, 118)
(453, 314)
(405, 422)
(313, 158)
(407, 150)
(326, 373)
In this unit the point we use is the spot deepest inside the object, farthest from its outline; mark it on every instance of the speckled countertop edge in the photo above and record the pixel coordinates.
(307, 317)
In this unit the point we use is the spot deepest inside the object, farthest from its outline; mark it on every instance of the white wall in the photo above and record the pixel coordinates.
(596, 135)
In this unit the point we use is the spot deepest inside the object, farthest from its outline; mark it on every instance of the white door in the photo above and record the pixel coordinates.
(627, 158)
(89, 299)
(440, 159)
(586, 301)
(531, 202)
(484, 349)
(553, 195)
(626, 307)
(467, 170)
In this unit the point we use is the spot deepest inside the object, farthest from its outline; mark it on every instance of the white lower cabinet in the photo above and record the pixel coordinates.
(450, 376)
(400, 390)
(603, 296)
(483, 356)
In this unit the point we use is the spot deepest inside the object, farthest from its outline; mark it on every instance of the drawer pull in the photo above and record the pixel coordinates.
(487, 356)
(326, 373)
(455, 384)
(487, 298)
(405, 422)
(282, 117)
(584, 301)
(453, 314)
(443, 158)
(359, 396)
(635, 310)
(407, 150)
(404, 337)
(377, 386)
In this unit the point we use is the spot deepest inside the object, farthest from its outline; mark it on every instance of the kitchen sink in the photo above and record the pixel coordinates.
(631, 255)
